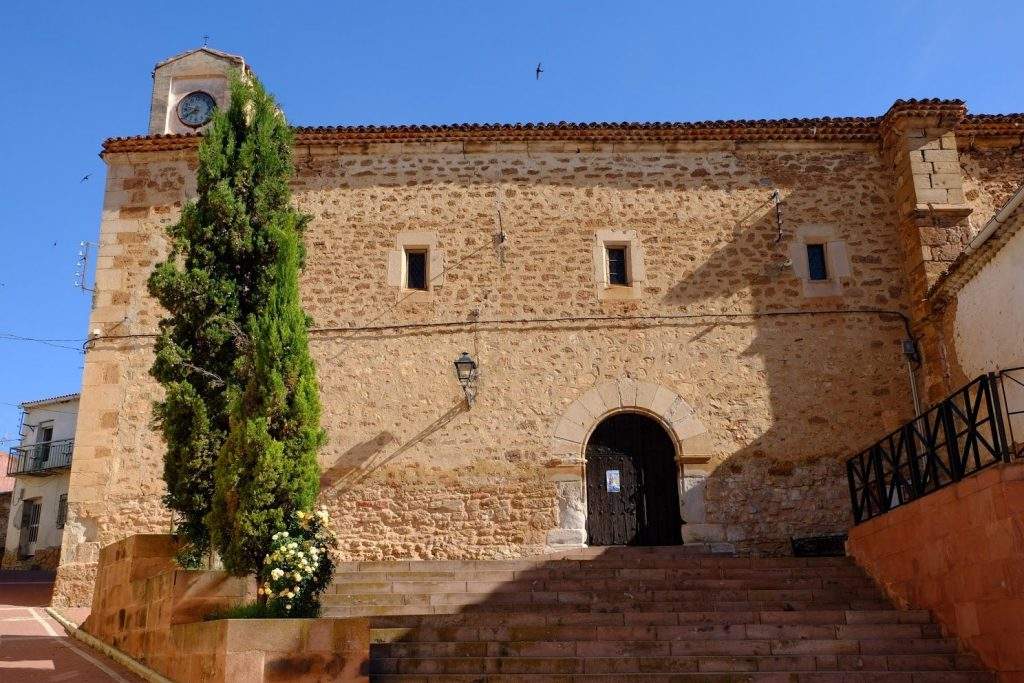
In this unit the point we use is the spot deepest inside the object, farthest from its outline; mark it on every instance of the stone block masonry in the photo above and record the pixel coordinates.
(155, 613)
(959, 553)
(411, 471)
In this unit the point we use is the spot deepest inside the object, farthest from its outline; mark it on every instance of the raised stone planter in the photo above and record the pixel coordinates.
(299, 650)
(153, 612)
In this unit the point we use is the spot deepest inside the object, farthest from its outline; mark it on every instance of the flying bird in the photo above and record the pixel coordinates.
(85, 177)
(539, 71)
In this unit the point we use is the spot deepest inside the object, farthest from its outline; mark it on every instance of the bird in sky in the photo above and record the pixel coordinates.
(539, 71)
(85, 177)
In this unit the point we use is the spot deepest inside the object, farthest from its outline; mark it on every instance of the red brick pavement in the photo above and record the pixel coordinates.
(34, 647)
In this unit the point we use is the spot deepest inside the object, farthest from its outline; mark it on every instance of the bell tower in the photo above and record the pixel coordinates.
(186, 88)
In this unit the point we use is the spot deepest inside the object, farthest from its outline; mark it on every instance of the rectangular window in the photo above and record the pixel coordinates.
(617, 268)
(415, 269)
(62, 511)
(816, 266)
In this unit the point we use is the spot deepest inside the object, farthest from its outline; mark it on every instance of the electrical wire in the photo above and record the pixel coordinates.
(573, 319)
(47, 342)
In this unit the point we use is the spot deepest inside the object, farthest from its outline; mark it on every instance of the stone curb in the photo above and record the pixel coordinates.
(121, 658)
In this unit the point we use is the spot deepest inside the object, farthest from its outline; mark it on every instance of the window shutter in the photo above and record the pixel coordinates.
(838, 258)
(798, 257)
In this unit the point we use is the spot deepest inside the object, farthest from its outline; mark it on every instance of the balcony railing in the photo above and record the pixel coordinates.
(970, 430)
(43, 458)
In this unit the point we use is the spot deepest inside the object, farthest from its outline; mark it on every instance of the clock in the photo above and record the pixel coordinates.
(196, 109)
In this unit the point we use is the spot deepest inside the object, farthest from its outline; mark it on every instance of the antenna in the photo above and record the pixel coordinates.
(82, 266)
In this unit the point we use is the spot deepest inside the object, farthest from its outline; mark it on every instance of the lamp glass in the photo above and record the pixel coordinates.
(464, 367)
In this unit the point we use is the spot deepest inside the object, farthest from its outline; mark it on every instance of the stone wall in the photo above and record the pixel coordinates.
(992, 171)
(958, 552)
(410, 471)
(155, 613)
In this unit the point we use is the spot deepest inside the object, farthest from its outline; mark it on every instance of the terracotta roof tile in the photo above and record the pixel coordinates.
(52, 399)
(848, 128)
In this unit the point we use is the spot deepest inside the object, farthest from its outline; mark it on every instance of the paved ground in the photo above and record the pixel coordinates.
(34, 647)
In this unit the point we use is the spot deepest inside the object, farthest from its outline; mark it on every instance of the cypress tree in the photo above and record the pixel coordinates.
(267, 468)
(233, 266)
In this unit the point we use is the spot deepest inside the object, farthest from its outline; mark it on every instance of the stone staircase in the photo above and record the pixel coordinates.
(644, 614)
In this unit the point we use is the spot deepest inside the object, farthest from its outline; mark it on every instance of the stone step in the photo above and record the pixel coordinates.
(713, 645)
(450, 595)
(337, 610)
(628, 573)
(651, 632)
(836, 617)
(669, 664)
(617, 585)
(708, 677)
(633, 560)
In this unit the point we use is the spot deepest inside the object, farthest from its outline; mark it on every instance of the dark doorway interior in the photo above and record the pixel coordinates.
(632, 483)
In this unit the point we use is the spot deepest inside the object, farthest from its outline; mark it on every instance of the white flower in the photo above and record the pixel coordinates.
(287, 606)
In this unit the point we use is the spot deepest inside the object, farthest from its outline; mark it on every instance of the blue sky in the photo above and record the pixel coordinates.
(75, 73)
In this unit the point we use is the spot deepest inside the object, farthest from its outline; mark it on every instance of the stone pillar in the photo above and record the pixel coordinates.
(920, 146)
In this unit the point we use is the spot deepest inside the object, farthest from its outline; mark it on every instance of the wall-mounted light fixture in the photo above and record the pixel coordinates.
(465, 372)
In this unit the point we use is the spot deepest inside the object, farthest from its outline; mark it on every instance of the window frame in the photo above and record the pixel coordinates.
(424, 253)
(636, 272)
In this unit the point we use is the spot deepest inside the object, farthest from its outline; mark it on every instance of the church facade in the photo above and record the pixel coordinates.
(679, 331)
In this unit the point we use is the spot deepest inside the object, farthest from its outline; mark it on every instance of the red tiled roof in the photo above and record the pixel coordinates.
(52, 399)
(851, 128)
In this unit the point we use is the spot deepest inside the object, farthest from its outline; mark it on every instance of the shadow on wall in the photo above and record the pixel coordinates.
(834, 382)
(362, 460)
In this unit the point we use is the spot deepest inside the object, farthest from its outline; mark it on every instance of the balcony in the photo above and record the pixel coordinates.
(42, 459)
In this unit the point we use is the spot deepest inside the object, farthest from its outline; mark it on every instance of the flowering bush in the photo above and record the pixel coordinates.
(299, 566)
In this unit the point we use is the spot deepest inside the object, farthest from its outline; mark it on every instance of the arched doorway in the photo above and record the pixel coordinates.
(632, 483)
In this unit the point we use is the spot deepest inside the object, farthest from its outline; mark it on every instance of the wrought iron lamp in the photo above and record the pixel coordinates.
(465, 372)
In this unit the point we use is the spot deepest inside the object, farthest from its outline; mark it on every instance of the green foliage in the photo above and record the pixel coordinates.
(240, 414)
(266, 468)
(247, 610)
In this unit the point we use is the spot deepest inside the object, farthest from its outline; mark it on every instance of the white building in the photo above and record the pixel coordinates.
(41, 467)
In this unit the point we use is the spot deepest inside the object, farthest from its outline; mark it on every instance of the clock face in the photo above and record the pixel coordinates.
(196, 109)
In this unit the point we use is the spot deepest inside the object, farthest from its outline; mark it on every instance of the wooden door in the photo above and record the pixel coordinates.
(632, 484)
(613, 497)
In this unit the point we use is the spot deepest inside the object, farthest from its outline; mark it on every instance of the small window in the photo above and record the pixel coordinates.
(62, 511)
(617, 267)
(816, 266)
(415, 269)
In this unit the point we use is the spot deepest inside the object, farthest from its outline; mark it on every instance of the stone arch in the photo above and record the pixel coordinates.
(573, 428)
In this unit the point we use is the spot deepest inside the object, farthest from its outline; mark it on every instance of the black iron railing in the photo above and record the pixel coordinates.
(968, 431)
(41, 458)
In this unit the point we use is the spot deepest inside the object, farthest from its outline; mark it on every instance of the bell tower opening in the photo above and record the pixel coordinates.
(632, 483)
